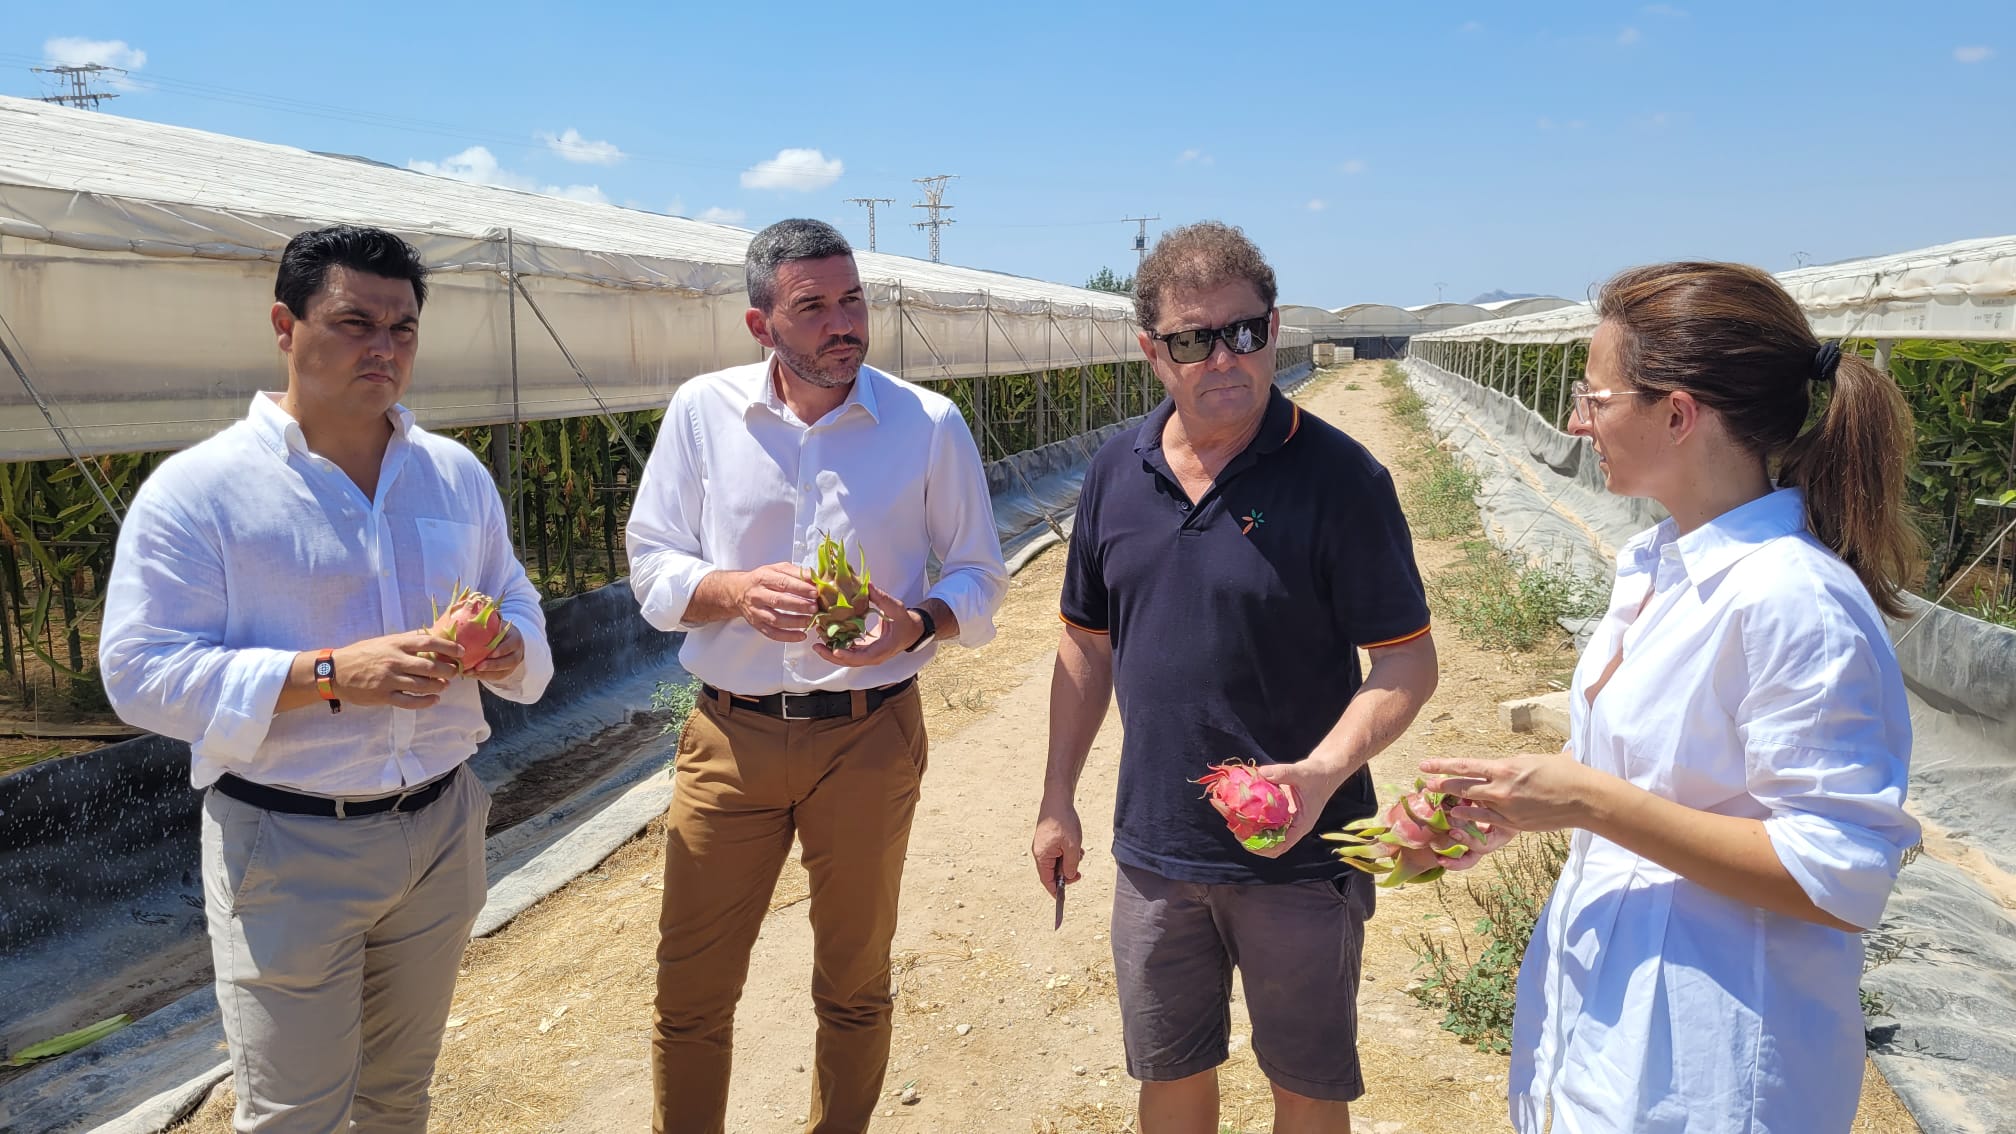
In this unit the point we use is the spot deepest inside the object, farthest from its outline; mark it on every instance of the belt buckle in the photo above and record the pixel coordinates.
(784, 705)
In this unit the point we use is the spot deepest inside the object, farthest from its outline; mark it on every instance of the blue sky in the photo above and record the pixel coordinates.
(1375, 151)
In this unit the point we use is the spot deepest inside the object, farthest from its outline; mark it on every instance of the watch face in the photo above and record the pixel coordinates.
(324, 668)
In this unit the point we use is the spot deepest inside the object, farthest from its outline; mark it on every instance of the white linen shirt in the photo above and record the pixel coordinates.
(736, 481)
(1758, 681)
(249, 548)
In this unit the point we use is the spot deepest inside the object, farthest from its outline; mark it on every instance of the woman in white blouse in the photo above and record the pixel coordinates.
(1736, 771)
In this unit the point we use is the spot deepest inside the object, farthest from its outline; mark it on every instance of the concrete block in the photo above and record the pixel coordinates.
(1548, 711)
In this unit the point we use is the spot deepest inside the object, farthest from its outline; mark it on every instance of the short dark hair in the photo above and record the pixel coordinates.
(1198, 256)
(794, 239)
(304, 266)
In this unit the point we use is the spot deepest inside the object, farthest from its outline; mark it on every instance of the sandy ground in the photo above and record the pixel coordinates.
(1001, 1024)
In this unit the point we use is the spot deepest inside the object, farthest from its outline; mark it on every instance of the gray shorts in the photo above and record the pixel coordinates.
(1297, 947)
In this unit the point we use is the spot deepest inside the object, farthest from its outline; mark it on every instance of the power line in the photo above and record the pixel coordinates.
(80, 78)
(1140, 237)
(934, 203)
(871, 202)
(154, 82)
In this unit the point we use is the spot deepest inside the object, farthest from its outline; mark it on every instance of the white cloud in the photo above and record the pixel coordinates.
(478, 165)
(1975, 54)
(1317, 205)
(719, 215)
(76, 51)
(1629, 37)
(1667, 10)
(797, 170)
(1353, 168)
(677, 208)
(1470, 27)
(1198, 156)
(570, 145)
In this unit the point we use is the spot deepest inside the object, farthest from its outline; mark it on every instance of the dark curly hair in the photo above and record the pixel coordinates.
(1198, 257)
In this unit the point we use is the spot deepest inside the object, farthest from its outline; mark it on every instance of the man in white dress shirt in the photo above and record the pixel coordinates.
(752, 466)
(262, 607)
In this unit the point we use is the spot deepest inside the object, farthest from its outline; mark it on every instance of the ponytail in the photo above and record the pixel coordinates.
(1851, 466)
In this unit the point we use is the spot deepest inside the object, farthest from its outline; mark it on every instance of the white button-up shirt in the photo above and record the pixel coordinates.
(736, 481)
(249, 548)
(1758, 680)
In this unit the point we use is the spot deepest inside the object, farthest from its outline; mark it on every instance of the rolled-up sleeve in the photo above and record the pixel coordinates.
(161, 648)
(959, 515)
(1826, 739)
(663, 535)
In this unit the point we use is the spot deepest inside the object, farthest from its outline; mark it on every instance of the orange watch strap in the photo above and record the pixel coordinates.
(325, 679)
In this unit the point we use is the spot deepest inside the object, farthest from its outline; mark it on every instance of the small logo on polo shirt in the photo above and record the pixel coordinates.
(1252, 519)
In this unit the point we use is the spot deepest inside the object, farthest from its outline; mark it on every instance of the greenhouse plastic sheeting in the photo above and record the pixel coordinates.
(1542, 494)
(1964, 290)
(1961, 674)
(1947, 945)
(137, 264)
(1943, 984)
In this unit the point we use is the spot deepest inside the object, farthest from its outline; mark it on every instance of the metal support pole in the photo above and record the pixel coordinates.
(516, 483)
(986, 369)
(1883, 347)
(622, 434)
(902, 357)
(1561, 395)
(1043, 393)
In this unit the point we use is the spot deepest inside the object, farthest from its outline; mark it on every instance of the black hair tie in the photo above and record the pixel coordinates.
(1826, 361)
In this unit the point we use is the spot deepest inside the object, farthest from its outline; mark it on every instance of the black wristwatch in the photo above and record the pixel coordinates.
(930, 630)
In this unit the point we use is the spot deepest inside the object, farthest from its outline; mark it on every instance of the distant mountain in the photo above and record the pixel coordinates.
(1495, 296)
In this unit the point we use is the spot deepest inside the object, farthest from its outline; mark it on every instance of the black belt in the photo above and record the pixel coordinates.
(299, 803)
(809, 706)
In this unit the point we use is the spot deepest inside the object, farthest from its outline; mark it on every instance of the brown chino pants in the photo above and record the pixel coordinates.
(743, 782)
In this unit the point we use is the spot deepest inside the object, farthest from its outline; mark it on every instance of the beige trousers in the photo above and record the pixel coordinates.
(336, 943)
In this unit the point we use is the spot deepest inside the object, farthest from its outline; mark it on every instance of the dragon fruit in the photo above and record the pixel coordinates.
(843, 595)
(1411, 840)
(1255, 808)
(472, 622)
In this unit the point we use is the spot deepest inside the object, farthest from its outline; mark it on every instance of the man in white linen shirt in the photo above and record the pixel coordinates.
(752, 466)
(262, 607)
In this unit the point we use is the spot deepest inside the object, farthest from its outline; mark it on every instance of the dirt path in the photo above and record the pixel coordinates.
(1001, 1024)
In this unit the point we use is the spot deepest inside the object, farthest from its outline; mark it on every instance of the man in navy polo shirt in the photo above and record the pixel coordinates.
(1228, 561)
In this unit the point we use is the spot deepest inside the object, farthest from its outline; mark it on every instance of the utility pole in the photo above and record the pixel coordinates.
(934, 203)
(79, 77)
(871, 202)
(1140, 238)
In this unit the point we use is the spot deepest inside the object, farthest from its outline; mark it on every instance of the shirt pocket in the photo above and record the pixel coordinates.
(449, 557)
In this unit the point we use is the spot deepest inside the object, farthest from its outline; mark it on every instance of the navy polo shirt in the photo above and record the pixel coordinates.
(1235, 624)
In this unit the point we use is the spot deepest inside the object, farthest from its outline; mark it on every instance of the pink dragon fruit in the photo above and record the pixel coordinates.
(1255, 808)
(1413, 839)
(472, 622)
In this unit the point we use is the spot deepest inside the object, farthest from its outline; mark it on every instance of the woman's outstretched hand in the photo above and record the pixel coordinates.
(1526, 793)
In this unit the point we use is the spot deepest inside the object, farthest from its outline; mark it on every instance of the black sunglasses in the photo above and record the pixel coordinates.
(1242, 337)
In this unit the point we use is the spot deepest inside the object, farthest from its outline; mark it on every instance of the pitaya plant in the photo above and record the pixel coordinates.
(472, 622)
(843, 594)
(1411, 840)
(1255, 808)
